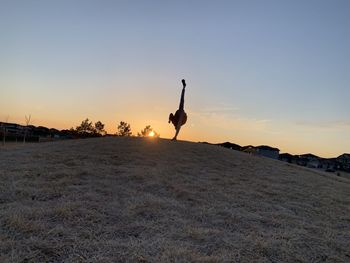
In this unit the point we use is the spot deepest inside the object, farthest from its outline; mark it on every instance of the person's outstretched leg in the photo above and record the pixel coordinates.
(182, 100)
(181, 109)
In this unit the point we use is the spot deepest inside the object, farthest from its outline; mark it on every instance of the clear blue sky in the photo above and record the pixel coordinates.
(259, 72)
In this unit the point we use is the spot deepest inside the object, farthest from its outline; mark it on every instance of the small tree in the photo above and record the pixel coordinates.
(27, 120)
(99, 127)
(124, 129)
(148, 131)
(86, 128)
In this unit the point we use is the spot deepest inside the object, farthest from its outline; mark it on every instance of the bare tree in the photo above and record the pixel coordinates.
(4, 131)
(27, 120)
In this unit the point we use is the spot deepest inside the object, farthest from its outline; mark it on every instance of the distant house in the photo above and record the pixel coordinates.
(15, 132)
(311, 160)
(343, 162)
(329, 164)
(289, 158)
(249, 149)
(262, 150)
(267, 151)
(232, 146)
(42, 131)
(11, 128)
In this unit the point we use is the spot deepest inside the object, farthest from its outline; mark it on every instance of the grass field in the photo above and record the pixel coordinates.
(153, 200)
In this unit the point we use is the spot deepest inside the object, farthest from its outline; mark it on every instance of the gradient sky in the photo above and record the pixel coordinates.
(258, 72)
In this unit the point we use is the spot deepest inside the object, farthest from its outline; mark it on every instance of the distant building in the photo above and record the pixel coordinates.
(250, 149)
(268, 151)
(289, 158)
(17, 132)
(232, 146)
(343, 162)
(11, 128)
(311, 160)
(42, 131)
(262, 150)
(329, 164)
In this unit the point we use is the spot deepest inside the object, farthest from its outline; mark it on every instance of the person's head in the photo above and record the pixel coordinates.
(171, 118)
(183, 83)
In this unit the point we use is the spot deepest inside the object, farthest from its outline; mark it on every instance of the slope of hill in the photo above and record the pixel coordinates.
(138, 199)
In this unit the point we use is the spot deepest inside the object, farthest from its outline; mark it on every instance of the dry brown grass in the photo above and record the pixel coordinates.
(142, 200)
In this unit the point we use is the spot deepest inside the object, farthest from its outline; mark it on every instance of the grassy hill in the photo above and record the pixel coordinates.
(144, 200)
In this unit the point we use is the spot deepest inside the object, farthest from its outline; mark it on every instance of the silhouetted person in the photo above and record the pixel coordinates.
(180, 116)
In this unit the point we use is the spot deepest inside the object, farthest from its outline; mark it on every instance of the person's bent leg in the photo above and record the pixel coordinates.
(178, 126)
(182, 100)
(177, 132)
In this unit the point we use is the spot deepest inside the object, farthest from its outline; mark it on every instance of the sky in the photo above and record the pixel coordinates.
(258, 72)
